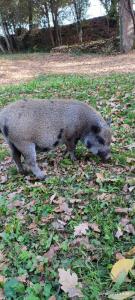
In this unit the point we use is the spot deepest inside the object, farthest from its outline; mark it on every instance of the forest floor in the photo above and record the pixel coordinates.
(23, 67)
(81, 219)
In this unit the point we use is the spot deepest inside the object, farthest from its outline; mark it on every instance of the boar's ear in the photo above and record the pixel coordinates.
(109, 121)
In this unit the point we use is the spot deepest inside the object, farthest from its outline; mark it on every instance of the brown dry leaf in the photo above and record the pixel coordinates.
(123, 210)
(2, 297)
(69, 283)
(75, 200)
(59, 225)
(131, 188)
(2, 256)
(130, 229)
(130, 159)
(131, 252)
(94, 227)
(63, 207)
(124, 221)
(52, 298)
(131, 146)
(119, 233)
(30, 204)
(122, 266)
(119, 256)
(33, 227)
(121, 296)
(59, 200)
(47, 219)
(105, 196)
(85, 242)
(52, 198)
(40, 268)
(81, 229)
(3, 178)
(3, 264)
(100, 177)
(22, 278)
(52, 251)
(16, 203)
(2, 279)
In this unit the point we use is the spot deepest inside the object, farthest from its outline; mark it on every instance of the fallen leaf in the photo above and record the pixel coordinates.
(130, 159)
(22, 278)
(63, 207)
(94, 227)
(52, 251)
(124, 221)
(59, 225)
(16, 203)
(123, 265)
(100, 177)
(53, 197)
(47, 219)
(121, 296)
(33, 227)
(119, 256)
(75, 200)
(130, 229)
(131, 188)
(83, 241)
(3, 179)
(2, 279)
(52, 298)
(131, 146)
(69, 283)
(119, 233)
(131, 252)
(2, 297)
(106, 196)
(81, 229)
(120, 210)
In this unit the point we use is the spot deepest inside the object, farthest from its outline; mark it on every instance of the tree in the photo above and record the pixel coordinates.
(79, 10)
(30, 13)
(111, 8)
(127, 25)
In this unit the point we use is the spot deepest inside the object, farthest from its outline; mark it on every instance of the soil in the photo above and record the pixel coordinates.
(21, 68)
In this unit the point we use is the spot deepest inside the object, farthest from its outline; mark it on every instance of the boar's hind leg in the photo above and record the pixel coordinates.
(30, 158)
(16, 154)
(29, 153)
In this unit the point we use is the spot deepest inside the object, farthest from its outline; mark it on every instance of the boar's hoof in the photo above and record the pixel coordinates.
(41, 175)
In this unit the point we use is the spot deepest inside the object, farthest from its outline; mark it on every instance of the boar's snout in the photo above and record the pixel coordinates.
(105, 155)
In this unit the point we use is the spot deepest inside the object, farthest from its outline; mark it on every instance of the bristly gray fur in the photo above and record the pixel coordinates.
(44, 124)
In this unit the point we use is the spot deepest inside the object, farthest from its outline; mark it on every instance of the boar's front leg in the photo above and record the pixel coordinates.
(71, 145)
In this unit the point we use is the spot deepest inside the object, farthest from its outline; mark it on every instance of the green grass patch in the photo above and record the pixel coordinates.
(32, 221)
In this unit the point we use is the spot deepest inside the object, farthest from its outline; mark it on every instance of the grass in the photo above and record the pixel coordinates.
(28, 218)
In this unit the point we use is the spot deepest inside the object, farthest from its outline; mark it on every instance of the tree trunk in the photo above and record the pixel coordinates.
(2, 48)
(126, 26)
(49, 27)
(79, 31)
(7, 36)
(30, 12)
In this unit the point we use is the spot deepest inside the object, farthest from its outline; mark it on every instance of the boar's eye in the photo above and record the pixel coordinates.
(95, 129)
(100, 140)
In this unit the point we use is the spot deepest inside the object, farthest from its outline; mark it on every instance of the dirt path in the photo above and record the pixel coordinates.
(21, 68)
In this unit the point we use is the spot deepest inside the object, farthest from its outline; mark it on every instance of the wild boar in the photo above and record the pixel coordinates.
(30, 124)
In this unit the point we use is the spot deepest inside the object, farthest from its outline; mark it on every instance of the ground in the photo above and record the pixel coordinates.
(81, 218)
(14, 69)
